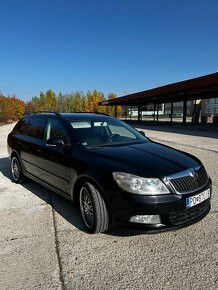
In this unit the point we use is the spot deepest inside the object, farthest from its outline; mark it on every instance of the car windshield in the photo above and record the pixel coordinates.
(105, 132)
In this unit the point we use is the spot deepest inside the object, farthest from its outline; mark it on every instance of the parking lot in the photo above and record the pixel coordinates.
(43, 244)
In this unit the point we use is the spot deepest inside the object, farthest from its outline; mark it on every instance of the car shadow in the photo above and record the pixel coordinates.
(62, 206)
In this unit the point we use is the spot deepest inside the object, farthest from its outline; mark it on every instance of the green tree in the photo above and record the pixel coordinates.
(60, 102)
(42, 102)
(78, 102)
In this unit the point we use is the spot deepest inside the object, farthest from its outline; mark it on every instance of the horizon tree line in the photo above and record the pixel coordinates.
(13, 108)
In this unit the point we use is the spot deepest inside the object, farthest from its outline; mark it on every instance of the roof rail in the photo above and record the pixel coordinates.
(101, 113)
(89, 113)
(58, 114)
(45, 112)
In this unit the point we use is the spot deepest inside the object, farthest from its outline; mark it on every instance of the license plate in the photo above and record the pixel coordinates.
(198, 198)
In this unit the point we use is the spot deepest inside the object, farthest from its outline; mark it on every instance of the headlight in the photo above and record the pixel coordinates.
(140, 185)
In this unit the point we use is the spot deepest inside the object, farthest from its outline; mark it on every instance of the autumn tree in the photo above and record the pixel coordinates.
(11, 108)
(29, 107)
(50, 101)
(69, 102)
(110, 110)
(85, 107)
(93, 99)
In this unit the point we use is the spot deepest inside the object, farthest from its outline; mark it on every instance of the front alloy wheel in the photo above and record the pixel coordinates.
(86, 207)
(93, 209)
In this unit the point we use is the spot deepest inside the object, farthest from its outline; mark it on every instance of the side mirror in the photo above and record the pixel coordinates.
(142, 133)
(58, 142)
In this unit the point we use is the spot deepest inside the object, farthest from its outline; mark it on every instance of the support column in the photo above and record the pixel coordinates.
(194, 113)
(115, 111)
(171, 112)
(139, 112)
(184, 111)
(154, 110)
(157, 111)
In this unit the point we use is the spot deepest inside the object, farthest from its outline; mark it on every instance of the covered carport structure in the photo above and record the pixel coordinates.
(204, 87)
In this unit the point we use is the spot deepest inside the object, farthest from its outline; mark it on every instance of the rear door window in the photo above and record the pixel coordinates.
(31, 126)
(35, 127)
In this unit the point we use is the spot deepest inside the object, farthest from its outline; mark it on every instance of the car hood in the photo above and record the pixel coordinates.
(147, 159)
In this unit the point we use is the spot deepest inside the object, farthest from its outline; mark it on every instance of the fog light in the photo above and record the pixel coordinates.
(146, 219)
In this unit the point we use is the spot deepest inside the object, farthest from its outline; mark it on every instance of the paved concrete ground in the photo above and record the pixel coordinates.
(43, 245)
(192, 137)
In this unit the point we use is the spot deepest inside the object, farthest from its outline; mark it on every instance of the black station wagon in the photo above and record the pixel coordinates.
(114, 173)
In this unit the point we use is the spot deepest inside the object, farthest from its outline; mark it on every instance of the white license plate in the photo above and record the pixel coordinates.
(198, 198)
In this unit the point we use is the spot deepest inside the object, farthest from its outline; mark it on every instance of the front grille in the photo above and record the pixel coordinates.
(187, 215)
(186, 184)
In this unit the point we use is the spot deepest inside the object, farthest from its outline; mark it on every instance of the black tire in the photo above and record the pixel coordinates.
(93, 209)
(16, 170)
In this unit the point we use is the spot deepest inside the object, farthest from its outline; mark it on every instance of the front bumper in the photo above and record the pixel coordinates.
(171, 209)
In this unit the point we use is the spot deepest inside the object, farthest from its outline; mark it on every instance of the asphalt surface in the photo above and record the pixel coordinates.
(43, 244)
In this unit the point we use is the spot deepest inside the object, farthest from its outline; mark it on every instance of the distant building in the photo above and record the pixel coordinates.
(163, 109)
(147, 110)
(209, 107)
(196, 98)
(178, 108)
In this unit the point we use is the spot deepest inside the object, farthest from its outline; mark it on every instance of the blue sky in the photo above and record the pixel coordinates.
(119, 46)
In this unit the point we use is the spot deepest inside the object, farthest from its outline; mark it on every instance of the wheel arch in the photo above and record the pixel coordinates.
(14, 153)
(93, 181)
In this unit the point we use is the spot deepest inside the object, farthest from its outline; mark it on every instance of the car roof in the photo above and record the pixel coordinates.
(70, 115)
(84, 116)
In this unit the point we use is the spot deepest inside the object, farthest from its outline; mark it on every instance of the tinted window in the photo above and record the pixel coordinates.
(31, 126)
(35, 127)
(55, 129)
(22, 126)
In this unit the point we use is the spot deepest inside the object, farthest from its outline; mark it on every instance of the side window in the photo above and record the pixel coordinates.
(55, 129)
(21, 127)
(36, 127)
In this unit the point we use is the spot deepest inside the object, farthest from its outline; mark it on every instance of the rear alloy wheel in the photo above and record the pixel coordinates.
(93, 209)
(16, 170)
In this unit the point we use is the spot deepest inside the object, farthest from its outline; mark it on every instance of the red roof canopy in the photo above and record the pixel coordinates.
(197, 88)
